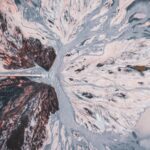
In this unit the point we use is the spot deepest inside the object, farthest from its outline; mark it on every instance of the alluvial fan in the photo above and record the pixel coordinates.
(95, 54)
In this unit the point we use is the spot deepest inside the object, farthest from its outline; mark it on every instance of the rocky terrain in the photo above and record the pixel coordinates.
(94, 54)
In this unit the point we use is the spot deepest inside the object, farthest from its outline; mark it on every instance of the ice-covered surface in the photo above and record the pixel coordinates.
(101, 71)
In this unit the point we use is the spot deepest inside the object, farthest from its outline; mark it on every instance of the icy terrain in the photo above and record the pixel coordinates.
(101, 71)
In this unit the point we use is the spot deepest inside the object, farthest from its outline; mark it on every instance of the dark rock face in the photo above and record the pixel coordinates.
(139, 68)
(24, 113)
(30, 53)
(25, 106)
(3, 23)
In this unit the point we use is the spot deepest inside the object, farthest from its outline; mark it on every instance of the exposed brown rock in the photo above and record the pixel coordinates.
(32, 51)
(139, 68)
(24, 102)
